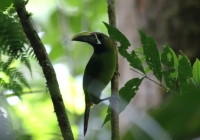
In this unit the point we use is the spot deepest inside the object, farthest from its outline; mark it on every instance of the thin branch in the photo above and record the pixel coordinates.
(24, 93)
(47, 68)
(153, 81)
(114, 104)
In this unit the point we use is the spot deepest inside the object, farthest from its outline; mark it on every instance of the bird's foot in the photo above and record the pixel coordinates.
(112, 97)
(117, 72)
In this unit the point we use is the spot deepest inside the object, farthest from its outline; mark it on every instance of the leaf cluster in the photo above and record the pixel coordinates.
(13, 46)
(172, 72)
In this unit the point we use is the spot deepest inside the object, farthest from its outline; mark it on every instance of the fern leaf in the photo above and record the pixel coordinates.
(26, 61)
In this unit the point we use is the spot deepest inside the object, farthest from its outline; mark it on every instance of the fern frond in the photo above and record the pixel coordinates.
(30, 53)
(15, 75)
(20, 77)
(2, 83)
(13, 86)
(8, 63)
(13, 41)
(26, 61)
(15, 46)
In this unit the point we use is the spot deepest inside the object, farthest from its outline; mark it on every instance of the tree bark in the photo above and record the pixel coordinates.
(47, 68)
(114, 104)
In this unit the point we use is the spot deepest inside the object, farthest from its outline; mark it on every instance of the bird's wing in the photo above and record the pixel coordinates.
(92, 71)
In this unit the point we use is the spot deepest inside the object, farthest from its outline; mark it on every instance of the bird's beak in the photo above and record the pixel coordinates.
(83, 37)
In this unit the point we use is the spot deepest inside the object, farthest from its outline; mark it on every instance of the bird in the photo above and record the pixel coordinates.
(99, 69)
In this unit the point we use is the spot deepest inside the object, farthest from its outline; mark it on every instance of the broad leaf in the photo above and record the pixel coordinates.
(170, 81)
(127, 92)
(185, 79)
(5, 4)
(115, 34)
(132, 58)
(152, 55)
(107, 116)
(134, 61)
(196, 71)
(169, 59)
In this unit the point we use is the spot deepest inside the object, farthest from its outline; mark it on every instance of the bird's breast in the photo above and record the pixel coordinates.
(98, 73)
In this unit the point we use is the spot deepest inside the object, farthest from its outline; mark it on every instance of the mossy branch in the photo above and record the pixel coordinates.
(47, 68)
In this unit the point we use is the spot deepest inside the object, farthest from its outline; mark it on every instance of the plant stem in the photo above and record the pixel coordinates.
(114, 104)
(145, 76)
(47, 68)
(24, 93)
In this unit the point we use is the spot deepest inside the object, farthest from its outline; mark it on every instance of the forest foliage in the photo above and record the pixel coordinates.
(172, 72)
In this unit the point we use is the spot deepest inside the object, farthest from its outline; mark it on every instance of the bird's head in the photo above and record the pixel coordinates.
(99, 41)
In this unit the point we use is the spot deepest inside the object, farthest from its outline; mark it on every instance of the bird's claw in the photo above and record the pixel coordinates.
(114, 97)
(117, 72)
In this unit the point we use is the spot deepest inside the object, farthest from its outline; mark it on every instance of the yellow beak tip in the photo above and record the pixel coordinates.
(80, 35)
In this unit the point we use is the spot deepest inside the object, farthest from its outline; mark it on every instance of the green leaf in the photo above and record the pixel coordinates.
(196, 71)
(15, 81)
(185, 79)
(139, 51)
(26, 61)
(170, 81)
(174, 57)
(169, 59)
(184, 69)
(132, 58)
(142, 59)
(115, 34)
(5, 4)
(17, 76)
(13, 41)
(151, 53)
(147, 69)
(135, 61)
(107, 116)
(127, 92)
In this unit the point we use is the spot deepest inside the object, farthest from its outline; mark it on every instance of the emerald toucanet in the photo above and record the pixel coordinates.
(99, 70)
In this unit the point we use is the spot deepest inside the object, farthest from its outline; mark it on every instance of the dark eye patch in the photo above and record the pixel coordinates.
(100, 36)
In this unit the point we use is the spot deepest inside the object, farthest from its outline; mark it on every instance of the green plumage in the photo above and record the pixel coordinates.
(99, 70)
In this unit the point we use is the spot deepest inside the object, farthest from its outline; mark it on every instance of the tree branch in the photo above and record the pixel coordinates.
(114, 104)
(47, 68)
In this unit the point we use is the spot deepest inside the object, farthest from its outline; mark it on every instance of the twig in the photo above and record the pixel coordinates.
(114, 104)
(47, 68)
(145, 76)
(23, 93)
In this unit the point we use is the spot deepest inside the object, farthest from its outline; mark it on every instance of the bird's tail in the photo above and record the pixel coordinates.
(86, 117)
